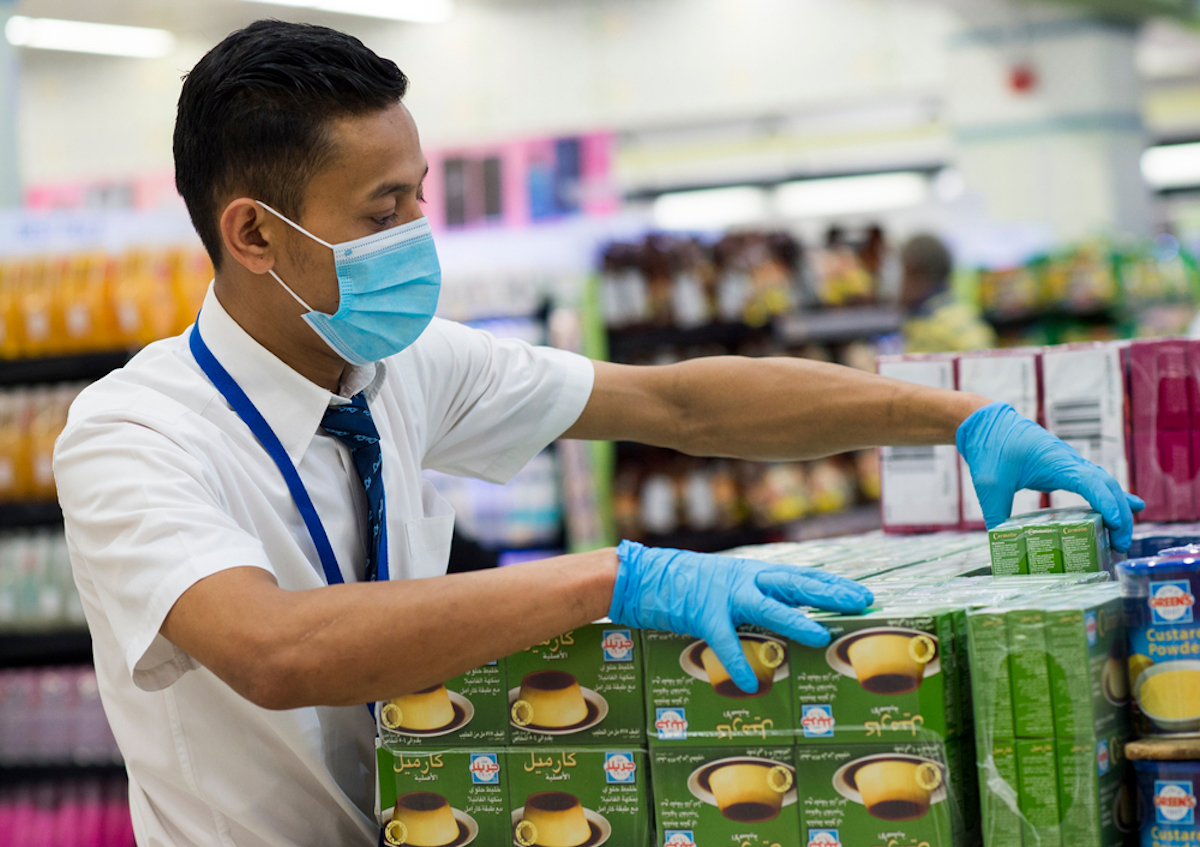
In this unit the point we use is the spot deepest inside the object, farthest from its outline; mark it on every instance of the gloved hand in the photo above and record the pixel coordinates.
(708, 596)
(1007, 452)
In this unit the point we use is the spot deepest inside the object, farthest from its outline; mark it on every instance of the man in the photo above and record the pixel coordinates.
(255, 549)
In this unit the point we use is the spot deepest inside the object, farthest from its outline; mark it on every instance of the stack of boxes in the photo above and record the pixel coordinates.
(1049, 542)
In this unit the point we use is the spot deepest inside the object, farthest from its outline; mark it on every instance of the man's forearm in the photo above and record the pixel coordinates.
(784, 408)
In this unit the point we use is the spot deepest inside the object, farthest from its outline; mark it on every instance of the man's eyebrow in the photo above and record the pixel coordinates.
(396, 187)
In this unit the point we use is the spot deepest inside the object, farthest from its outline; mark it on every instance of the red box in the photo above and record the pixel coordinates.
(1164, 471)
(1160, 384)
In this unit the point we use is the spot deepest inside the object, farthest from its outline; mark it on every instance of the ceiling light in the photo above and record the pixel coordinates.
(418, 11)
(711, 209)
(851, 195)
(1172, 166)
(81, 37)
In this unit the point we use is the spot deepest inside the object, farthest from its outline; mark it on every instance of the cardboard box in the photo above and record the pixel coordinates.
(887, 675)
(684, 706)
(1085, 639)
(869, 794)
(476, 701)
(1037, 788)
(606, 790)
(443, 789)
(1029, 672)
(919, 485)
(1043, 541)
(725, 796)
(1010, 555)
(1090, 782)
(1085, 543)
(583, 687)
(998, 799)
(991, 687)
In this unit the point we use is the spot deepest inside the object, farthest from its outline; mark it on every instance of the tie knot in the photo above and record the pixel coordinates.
(351, 423)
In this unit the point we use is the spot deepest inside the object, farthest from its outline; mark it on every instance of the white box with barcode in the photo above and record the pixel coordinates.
(1084, 395)
(1010, 377)
(920, 487)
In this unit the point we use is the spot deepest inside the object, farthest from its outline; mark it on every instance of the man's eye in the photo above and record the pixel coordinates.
(385, 220)
(421, 194)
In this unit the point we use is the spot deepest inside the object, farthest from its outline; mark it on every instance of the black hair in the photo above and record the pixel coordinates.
(254, 113)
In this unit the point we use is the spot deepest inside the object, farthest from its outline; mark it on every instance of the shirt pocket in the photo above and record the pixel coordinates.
(429, 544)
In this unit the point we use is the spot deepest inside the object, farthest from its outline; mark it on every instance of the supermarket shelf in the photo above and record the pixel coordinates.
(623, 344)
(831, 325)
(62, 368)
(12, 775)
(854, 521)
(46, 513)
(25, 650)
(1099, 317)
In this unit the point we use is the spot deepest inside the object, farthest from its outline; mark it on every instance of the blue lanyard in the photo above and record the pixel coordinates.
(270, 441)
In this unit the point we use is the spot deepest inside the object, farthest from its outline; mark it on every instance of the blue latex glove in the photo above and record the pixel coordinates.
(1007, 452)
(707, 596)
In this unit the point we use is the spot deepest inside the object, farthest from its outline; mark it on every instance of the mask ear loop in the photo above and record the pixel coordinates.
(292, 223)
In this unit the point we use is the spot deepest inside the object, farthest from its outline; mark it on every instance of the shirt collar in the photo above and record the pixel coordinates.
(291, 404)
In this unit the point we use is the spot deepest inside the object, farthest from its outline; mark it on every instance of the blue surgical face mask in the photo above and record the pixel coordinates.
(388, 285)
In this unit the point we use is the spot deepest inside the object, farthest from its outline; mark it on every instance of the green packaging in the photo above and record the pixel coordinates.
(449, 796)
(1029, 673)
(869, 794)
(724, 796)
(1043, 540)
(991, 691)
(587, 795)
(685, 706)
(1085, 637)
(1092, 794)
(467, 711)
(1084, 542)
(583, 687)
(998, 799)
(1010, 557)
(885, 676)
(1037, 788)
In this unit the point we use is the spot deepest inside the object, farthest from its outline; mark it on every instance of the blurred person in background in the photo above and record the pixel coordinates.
(937, 322)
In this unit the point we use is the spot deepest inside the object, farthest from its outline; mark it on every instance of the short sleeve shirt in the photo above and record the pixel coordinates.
(162, 485)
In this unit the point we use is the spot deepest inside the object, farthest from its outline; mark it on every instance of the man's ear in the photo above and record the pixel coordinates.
(251, 234)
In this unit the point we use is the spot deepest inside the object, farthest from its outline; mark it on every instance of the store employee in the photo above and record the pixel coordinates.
(257, 553)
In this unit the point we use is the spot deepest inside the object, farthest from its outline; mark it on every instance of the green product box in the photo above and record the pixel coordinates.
(691, 701)
(863, 795)
(998, 799)
(991, 692)
(1044, 543)
(451, 796)
(467, 711)
(582, 687)
(1084, 542)
(1029, 672)
(1088, 669)
(1037, 789)
(886, 676)
(578, 795)
(1097, 805)
(1010, 557)
(725, 797)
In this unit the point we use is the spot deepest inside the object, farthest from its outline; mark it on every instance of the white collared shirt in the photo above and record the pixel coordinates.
(162, 485)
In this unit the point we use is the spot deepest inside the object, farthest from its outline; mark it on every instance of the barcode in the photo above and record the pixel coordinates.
(1077, 419)
(910, 460)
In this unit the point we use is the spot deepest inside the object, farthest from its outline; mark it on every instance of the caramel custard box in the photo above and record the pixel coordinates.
(440, 791)
(725, 796)
(557, 794)
(476, 700)
(885, 676)
(690, 701)
(583, 687)
(866, 795)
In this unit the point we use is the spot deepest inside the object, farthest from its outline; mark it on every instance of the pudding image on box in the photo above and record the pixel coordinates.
(578, 797)
(873, 794)
(725, 795)
(691, 700)
(467, 711)
(583, 687)
(884, 676)
(442, 798)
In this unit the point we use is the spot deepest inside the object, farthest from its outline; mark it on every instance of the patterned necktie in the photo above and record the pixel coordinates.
(352, 425)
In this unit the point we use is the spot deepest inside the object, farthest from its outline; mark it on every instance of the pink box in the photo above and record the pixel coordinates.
(1159, 377)
(1164, 470)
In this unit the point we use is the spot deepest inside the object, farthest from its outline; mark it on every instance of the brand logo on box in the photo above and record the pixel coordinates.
(823, 838)
(817, 720)
(620, 768)
(1103, 762)
(485, 769)
(671, 724)
(1174, 801)
(1089, 620)
(617, 645)
(1171, 601)
(679, 838)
